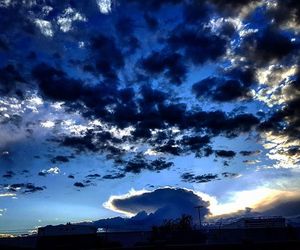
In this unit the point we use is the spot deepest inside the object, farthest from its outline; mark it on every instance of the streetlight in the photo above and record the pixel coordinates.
(199, 214)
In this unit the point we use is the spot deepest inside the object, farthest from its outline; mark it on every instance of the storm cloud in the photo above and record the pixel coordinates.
(152, 208)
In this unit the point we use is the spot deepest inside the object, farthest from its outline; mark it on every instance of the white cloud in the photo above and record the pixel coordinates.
(105, 6)
(274, 84)
(7, 194)
(53, 170)
(119, 133)
(132, 192)
(2, 211)
(34, 102)
(67, 18)
(46, 10)
(45, 27)
(81, 44)
(57, 105)
(251, 162)
(151, 152)
(48, 124)
(278, 146)
(5, 3)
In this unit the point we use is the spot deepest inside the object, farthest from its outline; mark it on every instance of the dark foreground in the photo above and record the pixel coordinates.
(216, 239)
(245, 246)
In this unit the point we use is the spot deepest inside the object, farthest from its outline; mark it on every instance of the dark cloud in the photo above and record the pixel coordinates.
(225, 163)
(195, 11)
(125, 26)
(229, 175)
(293, 151)
(221, 90)
(43, 173)
(233, 86)
(154, 5)
(152, 208)
(14, 120)
(195, 143)
(198, 46)
(170, 64)
(107, 56)
(231, 90)
(246, 75)
(51, 79)
(9, 174)
(285, 120)
(113, 176)
(24, 188)
(170, 147)
(102, 83)
(154, 113)
(291, 8)
(231, 7)
(218, 122)
(93, 176)
(152, 22)
(139, 163)
(21, 24)
(149, 111)
(160, 164)
(10, 81)
(81, 144)
(268, 45)
(225, 153)
(3, 45)
(79, 185)
(70, 176)
(164, 197)
(192, 178)
(60, 159)
(282, 206)
(249, 153)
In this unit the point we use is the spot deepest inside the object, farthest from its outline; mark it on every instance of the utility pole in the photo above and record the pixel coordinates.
(199, 214)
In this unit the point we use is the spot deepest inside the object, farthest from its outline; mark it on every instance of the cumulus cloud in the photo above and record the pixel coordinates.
(53, 171)
(45, 27)
(67, 18)
(166, 203)
(105, 6)
(149, 208)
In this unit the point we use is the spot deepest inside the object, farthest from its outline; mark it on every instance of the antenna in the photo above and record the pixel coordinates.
(199, 214)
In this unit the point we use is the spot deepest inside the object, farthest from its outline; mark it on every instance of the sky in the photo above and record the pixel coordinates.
(131, 112)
